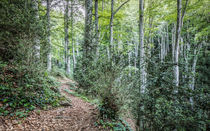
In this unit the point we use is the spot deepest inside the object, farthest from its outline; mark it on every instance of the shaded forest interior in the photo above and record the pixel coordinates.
(144, 61)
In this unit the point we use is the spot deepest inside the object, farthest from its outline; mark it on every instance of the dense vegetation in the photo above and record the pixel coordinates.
(144, 59)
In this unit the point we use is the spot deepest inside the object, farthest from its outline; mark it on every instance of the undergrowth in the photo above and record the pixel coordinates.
(22, 92)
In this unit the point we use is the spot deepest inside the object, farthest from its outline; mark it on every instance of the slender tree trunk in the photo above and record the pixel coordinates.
(193, 70)
(173, 42)
(136, 54)
(36, 38)
(167, 40)
(49, 54)
(178, 34)
(111, 29)
(186, 54)
(96, 29)
(72, 36)
(66, 30)
(162, 49)
(180, 17)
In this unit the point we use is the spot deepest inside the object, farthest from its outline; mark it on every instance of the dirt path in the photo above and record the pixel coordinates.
(81, 116)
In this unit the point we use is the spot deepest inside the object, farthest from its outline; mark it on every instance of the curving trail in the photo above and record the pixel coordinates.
(81, 116)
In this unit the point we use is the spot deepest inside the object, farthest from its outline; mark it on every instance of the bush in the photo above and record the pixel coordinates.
(109, 107)
(19, 89)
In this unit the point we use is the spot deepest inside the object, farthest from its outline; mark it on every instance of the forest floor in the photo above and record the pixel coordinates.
(80, 116)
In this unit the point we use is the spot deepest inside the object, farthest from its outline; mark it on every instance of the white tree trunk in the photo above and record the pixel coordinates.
(49, 54)
(193, 70)
(136, 54)
(178, 34)
(173, 42)
(141, 43)
(111, 29)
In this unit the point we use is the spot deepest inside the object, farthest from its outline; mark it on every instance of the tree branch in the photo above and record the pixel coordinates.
(120, 7)
(184, 11)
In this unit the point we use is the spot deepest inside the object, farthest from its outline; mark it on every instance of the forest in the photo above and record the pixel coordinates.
(104, 65)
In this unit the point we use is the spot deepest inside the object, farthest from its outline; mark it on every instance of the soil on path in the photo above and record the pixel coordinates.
(80, 116)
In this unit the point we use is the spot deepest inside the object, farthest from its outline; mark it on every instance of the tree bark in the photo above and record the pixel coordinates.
(141, 43)
(193, 70)
(72, 36)
(66, 30)
(142, 55)
(88, 47)
(111, 29)
(178, 34)
(96, 29)
(180, 17)
(49, 54)
(36, 38)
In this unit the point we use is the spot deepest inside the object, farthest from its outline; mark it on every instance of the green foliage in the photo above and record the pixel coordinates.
(100, 80)
(162, 108)
(113, 125)
(57, 72)
(19, 89)
(109, 107)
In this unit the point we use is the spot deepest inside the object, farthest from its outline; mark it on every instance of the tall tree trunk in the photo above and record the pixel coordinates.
(96, 29)
(173, 42)
(162, 49)
(49, 54)
(111, 29)
(167, 40)
(87, 46)
(36, 38)
(193, 70)
(180, 17)
(142, 54)
(178, 34)
(66, 30)
(77, 48)
(72, 35)
(136, 54)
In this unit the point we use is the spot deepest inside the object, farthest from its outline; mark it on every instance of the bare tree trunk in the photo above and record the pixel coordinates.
(136, 54)
(72, 36)
(142, 54)
(162, 49)
(36, 38)
(173, 42)
(96, 29)
(77, 48)
(111, 29)
(193, 70)
(180, 17)
(66, 30)
(49, 54)
(178, 34)
(167, 40)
